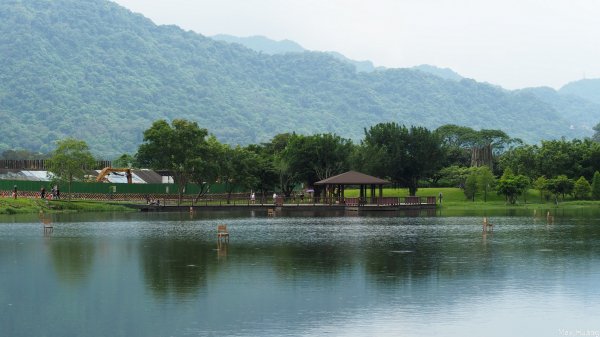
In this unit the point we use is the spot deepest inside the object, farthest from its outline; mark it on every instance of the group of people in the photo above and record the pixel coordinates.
(152, 201)
(54, 193)
(253, 197)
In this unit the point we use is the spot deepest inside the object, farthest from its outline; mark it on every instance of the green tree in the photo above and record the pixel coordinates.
(596, 186)
(485, 180)
(470, 188)
(596, 136)
(541, 184)
(22, 154)
(582, 188)
(266, 171)
(401, 154)
(204, 169)
(317, 157)
(125, 161)
(174, 147)
(561, 185)
(286, 178)
(511, 185)
(454, 176)
(521, 160)
(70, 160)
(238, 168)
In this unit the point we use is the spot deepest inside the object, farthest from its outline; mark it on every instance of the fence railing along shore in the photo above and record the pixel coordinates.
(239, 199)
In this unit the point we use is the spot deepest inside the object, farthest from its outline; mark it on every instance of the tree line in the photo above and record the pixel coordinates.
(409, 157)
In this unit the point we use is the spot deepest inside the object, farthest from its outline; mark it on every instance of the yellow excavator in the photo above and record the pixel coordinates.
(107, 170)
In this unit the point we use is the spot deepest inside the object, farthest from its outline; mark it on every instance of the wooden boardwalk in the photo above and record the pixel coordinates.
(350, 204)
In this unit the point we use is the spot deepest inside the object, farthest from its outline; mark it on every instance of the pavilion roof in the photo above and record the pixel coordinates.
(352, 178)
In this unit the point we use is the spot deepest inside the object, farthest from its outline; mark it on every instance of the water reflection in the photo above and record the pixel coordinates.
(175, 266)
(286, 275)
(72, 259)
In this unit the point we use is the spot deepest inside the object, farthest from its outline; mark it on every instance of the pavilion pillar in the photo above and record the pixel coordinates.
(361, 194)
(372, 194)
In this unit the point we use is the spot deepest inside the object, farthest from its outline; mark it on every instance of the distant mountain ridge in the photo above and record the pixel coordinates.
(445, 73)
(94, 70)
(272, 47)
(588, 89)
(262, 44)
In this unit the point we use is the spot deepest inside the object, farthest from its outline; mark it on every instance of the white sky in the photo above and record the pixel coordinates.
(513, 43)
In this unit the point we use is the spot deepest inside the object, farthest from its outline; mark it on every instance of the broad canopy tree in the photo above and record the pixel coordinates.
(316, 157)
(401, 154)
(177, 147)
(70, 160)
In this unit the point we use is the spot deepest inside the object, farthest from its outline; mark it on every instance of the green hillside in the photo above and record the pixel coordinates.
(98, 72)
(586, 88)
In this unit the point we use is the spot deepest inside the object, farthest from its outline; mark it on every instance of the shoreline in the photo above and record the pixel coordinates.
(9, 206)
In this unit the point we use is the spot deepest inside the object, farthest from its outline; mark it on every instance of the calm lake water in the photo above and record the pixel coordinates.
(336, 275)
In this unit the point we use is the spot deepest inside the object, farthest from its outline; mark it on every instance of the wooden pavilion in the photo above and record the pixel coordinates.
(334, 188)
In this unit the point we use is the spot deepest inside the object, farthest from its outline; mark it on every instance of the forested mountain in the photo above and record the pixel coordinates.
(587, 88)
(262, 44)
(581, 113)
(265, 45)
(95, 71)
(446, 73)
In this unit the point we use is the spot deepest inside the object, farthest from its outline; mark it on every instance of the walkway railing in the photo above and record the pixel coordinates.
(240, 199)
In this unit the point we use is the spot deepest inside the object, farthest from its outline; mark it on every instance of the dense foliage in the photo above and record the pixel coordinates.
(92, 70)
(69, 161)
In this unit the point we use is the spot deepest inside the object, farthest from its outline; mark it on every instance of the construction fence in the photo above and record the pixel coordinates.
(108, 191)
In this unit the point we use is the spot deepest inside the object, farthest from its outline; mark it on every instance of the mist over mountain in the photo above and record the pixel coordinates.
(262, 44)
(265, 45)
(94, 70)
(581, 113)
(445, 73)
(587, 88)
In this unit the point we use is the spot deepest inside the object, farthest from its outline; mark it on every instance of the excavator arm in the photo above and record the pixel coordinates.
(107, 170)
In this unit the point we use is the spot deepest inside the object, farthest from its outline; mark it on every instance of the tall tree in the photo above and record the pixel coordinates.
(238, 168)
(401, 154)
(485, 180)
(174, 147)
(596, 186)
(470, 188)
(318, 156)
(561, 185)
(266, 171)
(596, 136)
(204, 169)
(511, 185)
(124, 160)
(582, 188)
(70, 160)
(541, 184)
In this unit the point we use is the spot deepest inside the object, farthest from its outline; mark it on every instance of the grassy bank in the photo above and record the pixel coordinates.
(454, 202)
(26, 205)
(454, 199)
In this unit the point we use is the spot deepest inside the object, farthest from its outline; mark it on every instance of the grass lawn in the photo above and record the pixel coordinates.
(27, 205)
(454, 198)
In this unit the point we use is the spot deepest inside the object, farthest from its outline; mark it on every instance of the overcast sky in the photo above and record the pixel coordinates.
(513, 43)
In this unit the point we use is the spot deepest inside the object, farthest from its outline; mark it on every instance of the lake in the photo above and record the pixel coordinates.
(134, 274)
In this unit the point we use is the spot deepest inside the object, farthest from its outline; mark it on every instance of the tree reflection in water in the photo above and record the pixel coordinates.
(72, 258)
(175, 266)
